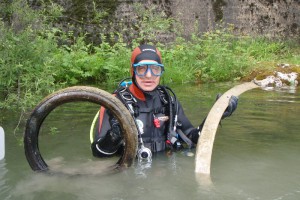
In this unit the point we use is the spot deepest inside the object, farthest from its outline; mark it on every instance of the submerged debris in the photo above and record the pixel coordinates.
(269, 69)
(283, 65)
(284, 75)
(279, 80)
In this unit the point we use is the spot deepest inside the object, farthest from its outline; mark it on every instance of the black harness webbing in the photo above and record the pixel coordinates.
(169, 103)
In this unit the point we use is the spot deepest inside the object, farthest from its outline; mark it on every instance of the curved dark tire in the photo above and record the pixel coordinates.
(78, 93)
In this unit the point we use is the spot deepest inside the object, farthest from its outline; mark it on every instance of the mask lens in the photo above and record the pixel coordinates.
(156, 70)
(142, 69)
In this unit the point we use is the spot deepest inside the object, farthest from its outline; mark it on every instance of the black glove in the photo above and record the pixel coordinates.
(110, 143)
(113, 139)
(194, 135)
(232, 105)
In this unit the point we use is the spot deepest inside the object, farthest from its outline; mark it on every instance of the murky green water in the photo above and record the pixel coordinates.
(255, 156)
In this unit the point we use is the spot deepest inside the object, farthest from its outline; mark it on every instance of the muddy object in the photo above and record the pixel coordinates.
(206, 140)
(72, 94)
(2, 143)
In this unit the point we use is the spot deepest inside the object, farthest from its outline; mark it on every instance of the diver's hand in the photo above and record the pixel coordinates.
(232, 105)
(194, 135)
(107, 145)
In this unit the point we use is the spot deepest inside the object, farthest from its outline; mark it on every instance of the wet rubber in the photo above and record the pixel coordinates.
(72, 94)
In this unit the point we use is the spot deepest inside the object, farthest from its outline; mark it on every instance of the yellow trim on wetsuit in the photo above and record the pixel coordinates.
(93, 127)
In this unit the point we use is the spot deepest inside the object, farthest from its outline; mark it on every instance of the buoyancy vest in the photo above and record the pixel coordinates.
(155, 114)
(151, 114)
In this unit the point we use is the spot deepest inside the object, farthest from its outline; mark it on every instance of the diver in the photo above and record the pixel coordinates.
(159, 116)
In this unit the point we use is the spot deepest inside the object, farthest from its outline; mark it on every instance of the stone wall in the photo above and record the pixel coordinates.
(255, 17)
(263, 17)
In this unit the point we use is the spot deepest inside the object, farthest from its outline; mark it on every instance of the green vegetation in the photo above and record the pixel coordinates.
(37, 58)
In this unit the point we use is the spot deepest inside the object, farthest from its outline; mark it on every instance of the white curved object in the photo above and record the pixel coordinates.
(2, 143)
(208, 133)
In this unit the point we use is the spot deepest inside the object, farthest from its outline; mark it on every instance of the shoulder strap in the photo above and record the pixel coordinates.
(128, 100)
(163, 94)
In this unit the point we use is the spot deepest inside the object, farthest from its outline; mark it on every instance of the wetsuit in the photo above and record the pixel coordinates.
(151, 111)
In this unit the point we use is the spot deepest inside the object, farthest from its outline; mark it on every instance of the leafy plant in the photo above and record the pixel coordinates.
(24, 51)
(37, 58)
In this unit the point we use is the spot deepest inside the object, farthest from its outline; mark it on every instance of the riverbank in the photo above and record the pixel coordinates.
(37, 58)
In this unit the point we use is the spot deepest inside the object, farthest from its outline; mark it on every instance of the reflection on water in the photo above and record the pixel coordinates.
(3, 179)
(87, 168)
(255, 156)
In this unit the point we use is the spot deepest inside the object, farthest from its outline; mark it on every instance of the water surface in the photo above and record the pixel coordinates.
(255, 155)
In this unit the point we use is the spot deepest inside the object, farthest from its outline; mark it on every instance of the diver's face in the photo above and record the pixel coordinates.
(148, 82)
